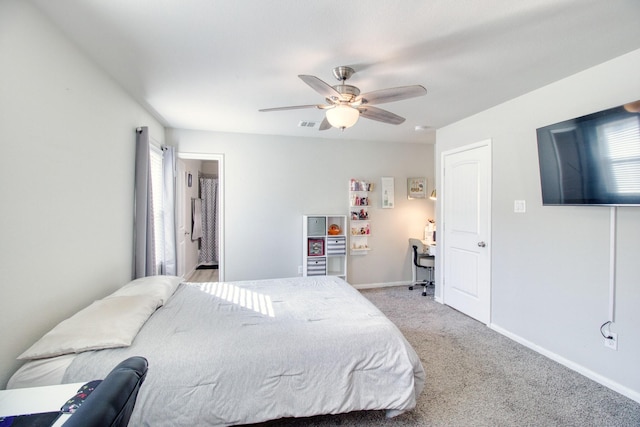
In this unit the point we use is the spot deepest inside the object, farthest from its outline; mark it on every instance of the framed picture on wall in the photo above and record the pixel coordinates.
(387, 191)
(417, 188)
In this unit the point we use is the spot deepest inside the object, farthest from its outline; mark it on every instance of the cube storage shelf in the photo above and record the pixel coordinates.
(324, 245)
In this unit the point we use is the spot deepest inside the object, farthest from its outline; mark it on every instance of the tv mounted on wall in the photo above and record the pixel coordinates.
(593, 159)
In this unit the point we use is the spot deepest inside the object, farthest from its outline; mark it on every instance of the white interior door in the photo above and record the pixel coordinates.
(466, 240)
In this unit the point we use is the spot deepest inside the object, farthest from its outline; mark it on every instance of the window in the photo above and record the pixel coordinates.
(623, 152)
(157, 204)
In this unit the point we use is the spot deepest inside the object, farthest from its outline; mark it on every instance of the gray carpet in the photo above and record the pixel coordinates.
(477, 377)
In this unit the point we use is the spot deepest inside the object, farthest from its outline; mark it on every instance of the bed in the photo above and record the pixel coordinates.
(238, 352)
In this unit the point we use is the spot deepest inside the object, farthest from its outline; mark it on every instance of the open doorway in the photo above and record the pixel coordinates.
(199, 218)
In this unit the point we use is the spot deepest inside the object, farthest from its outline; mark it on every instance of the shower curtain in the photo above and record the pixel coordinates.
(209, 241)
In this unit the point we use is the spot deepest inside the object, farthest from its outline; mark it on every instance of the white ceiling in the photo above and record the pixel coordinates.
(211, 64)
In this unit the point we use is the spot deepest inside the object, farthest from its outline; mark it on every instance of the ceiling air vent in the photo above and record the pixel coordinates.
(305, 124)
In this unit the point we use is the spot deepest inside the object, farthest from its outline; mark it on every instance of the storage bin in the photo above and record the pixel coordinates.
(317, 267)
(336, 245)
(316, 226)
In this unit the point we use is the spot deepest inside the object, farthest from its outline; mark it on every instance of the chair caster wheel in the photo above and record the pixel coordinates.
(424, 294)
(410, 288)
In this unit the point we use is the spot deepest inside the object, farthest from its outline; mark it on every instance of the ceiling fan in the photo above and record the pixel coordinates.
(345, 104)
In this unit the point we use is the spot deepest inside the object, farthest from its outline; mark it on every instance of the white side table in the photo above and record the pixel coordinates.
(33, 400)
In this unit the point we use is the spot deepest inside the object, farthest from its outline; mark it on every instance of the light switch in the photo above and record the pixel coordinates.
(519, 206)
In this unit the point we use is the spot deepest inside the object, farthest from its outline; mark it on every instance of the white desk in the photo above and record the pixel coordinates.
(428, 248)
(34, 400)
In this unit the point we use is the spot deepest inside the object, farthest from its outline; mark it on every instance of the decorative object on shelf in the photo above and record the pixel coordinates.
(416, 188)
(360, 215)
(360, 231)
(387, 189)
(359, 247)
(358, 200)
(433, 195)
(430, 232)
(316, 247)
(358, 185)
(334, 230)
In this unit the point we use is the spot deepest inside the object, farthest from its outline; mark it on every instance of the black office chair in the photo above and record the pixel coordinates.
(421, 261)
(112, 401)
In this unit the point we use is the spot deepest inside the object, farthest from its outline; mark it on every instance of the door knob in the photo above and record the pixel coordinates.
(482, 244)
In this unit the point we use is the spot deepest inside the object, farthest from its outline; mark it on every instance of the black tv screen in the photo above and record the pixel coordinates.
(593, 159)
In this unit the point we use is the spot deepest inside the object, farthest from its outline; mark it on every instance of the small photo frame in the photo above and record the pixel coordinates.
(316, 247)
(417, 188)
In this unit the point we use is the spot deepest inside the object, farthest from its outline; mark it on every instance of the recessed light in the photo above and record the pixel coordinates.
(422, 127)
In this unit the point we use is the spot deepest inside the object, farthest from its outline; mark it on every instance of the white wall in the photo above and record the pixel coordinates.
(271, 181)
(551, 265)
(67, 165)
(210, 167)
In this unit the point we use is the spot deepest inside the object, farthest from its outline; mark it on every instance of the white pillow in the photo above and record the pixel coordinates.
(160, 286)
(106, 323)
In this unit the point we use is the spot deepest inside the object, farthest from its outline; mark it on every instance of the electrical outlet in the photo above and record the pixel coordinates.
(300, 270)
(612, 342)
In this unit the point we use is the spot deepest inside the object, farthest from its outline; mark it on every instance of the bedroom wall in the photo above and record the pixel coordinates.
(271, 181)
(66, 218)
(550, 265)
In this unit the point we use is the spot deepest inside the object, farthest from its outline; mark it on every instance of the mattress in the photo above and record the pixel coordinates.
(245, 352)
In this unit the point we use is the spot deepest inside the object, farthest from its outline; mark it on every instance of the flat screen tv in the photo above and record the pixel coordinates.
(593, 159)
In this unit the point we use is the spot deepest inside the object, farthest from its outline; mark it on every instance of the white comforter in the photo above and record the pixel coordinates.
(245, 352)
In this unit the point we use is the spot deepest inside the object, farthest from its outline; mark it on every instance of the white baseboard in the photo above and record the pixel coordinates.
(381, 285)
(617, 387)
(187, 275)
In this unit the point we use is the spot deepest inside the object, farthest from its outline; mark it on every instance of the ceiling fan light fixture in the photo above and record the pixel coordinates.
(342, 116)
(345, 104)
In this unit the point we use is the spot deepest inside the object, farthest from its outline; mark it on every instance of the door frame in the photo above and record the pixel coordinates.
(221, 240)
(440, 259)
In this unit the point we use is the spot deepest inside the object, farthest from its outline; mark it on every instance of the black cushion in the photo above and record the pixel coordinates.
(112, 402)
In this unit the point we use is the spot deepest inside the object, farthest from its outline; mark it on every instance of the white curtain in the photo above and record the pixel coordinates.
(168, 188)
(209, 240)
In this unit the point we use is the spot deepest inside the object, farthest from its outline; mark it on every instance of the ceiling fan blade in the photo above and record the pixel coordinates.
(321, 87)
(392, 94)
(380, 115)
(325, 124)
(293, 107)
